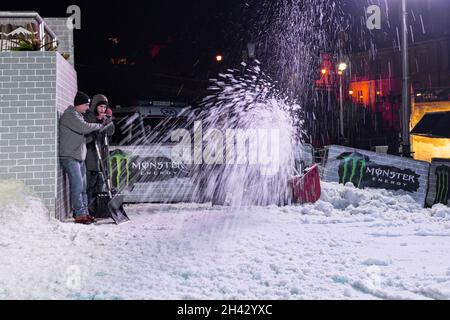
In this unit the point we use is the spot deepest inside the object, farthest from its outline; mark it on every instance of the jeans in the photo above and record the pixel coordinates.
(76, 170)
(95, 185)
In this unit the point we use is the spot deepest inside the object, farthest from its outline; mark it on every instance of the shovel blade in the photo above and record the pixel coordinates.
(117, 211)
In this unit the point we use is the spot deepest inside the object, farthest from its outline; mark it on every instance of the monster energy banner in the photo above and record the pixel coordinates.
(439, 182)
(126, 170)
(375, 170)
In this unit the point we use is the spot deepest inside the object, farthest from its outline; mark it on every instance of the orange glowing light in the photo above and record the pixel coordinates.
(219, 58)
(351, 92)
(324, 71)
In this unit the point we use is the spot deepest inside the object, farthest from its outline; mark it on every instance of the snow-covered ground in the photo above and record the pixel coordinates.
(352, 244)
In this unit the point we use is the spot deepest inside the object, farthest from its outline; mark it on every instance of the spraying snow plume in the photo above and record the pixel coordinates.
(236, 148)
(291, 36)
(294, 33)
(250, 131)
(239, 146)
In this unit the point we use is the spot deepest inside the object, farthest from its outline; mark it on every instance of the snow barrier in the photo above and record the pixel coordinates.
(376, 170)
(439, 182)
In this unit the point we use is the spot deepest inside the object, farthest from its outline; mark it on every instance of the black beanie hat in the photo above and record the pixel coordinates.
(81, 98)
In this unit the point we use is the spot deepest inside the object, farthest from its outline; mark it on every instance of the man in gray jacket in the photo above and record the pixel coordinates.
(72, 153)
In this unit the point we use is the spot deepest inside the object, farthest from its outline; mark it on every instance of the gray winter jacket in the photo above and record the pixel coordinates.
(72, 131)
(92, 161)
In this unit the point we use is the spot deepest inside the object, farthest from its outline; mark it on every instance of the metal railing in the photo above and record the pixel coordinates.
(46, 37)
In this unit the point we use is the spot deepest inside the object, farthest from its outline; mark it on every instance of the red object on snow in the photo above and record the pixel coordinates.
(306, 188)
(155, 49)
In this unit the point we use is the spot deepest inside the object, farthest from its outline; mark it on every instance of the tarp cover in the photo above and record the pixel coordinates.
(434, 125)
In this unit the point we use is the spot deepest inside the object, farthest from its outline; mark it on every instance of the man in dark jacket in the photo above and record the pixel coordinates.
(72, 153)
(99, 113)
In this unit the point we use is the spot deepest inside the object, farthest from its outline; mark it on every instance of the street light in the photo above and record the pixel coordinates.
(219, 58)
(341, 68)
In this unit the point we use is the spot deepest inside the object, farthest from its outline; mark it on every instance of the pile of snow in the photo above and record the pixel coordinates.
(441, 211)
(352, 244)
(19, 206)
(339, 201)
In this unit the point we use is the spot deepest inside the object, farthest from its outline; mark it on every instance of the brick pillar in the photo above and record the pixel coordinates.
(34, 88)
(64, 35)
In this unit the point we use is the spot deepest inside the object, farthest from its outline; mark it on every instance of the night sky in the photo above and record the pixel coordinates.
(170, 45)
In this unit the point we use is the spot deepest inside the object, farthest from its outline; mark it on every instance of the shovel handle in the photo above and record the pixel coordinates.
(102, 168)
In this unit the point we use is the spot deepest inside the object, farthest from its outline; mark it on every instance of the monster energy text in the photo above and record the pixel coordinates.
(160, 165)
(391, 175)
(359, 170)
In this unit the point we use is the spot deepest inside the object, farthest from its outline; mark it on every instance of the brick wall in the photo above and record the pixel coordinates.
(64, 35)
(33, 86)
(66, 89)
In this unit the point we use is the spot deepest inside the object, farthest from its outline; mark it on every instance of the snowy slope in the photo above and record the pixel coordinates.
(352, 244)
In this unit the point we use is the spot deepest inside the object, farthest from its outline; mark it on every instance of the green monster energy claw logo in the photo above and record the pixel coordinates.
(115, 161)
(442, 181)
(352, 168)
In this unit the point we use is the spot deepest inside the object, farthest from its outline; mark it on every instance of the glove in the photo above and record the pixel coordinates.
(108, 112)
(106, 124)
(107, 121)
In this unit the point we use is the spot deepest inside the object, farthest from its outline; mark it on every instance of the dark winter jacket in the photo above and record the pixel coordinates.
(72, 134)
(92, 160)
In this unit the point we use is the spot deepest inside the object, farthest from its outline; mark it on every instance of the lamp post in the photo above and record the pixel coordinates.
(341, 68)
(406, 147)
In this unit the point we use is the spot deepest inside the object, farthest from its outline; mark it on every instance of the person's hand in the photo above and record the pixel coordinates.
(106, 124)
(109, 112)
(107, 121)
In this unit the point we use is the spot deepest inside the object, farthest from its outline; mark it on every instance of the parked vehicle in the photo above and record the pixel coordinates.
(140, 163)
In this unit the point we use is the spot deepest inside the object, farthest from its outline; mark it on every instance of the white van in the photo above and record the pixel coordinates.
(140, 162)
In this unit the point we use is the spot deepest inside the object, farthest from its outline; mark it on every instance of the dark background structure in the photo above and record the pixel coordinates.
(166, 49)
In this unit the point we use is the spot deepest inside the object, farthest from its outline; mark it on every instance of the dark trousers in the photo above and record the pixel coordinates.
(95, 184)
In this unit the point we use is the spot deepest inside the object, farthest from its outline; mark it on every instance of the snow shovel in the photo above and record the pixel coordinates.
(115, 203)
